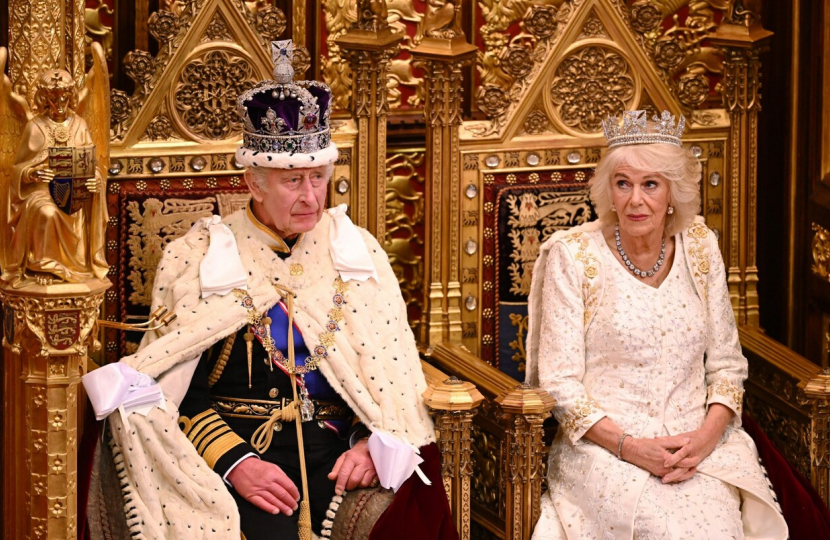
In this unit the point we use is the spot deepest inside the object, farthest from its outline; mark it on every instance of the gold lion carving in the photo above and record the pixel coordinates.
(52, 170)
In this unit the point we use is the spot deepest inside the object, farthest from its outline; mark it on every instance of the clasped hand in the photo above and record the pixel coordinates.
(674, 458)
(268, 488)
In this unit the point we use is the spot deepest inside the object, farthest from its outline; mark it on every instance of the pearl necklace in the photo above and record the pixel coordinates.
(630, 265)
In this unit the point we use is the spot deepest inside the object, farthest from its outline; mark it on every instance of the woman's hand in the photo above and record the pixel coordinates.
(695, 446)
(652, 454)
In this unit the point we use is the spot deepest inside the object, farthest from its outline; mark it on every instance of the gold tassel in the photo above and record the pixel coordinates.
(304, 522)
(249, 344)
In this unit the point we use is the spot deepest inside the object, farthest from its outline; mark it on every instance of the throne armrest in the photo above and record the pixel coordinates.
(507, 444)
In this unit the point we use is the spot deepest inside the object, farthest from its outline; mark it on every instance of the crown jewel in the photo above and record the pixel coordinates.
(635, 129)
(284, 118)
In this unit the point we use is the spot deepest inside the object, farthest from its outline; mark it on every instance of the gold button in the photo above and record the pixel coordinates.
(296, 269)
(273, 393)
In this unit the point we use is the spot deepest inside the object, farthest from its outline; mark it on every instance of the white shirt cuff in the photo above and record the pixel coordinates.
(232, 467)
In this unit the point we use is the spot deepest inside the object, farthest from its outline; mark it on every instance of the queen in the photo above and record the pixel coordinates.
(45, 242)
(632, 332)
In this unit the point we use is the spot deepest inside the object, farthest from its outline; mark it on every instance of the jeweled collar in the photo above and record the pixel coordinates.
(267, 236)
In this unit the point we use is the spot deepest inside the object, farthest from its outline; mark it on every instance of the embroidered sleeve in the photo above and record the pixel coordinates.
(213, 439)
(562, 344)
(726, 367)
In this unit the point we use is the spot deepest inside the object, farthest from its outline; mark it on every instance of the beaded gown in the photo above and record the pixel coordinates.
(652, 360)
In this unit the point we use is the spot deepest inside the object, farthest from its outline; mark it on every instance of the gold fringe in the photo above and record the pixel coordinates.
(222, 361)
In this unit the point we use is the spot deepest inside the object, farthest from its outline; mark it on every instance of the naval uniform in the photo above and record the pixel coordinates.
(220, 414)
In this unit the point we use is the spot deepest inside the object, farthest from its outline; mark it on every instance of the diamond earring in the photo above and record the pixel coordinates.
(671, 210)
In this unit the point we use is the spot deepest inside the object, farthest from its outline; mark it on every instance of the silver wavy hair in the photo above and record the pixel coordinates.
(677, 165)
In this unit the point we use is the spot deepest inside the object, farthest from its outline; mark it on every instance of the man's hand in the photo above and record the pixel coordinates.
(265, 486)
(354, 469)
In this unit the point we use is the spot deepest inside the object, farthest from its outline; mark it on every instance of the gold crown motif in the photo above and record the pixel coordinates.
(635, 129)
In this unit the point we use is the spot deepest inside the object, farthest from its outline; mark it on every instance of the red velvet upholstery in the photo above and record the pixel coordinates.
(805, 513)
(419, 511)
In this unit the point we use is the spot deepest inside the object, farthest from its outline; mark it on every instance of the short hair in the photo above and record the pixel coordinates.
(259, 175)
(674, 163)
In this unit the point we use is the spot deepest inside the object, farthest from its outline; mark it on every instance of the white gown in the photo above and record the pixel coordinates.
(616, 347)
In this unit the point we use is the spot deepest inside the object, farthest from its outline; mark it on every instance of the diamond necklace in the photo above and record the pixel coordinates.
(630, 265)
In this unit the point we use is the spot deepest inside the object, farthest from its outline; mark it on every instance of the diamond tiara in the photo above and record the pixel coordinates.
(635, 129)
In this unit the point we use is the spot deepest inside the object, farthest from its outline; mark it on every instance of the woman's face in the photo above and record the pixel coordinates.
(641, 199)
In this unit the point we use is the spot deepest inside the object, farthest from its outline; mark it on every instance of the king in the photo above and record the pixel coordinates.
(291, 349)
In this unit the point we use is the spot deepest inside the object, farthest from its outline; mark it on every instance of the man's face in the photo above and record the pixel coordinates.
(292, 201)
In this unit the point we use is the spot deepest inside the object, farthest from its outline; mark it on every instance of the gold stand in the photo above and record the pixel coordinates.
(369, 46)
(742, 39)
(524, 409)
(453, 404)
(442, 59)
(48, 332)
(817, 392)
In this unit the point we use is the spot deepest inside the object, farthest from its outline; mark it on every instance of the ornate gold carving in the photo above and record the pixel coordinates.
(821, 252)
(372, 15)
(271, 23)
(404, 217)
(204, 98)
(503, 78)
(54, 326)
(164, 26)
(217, 30)
(536, 122)
(453, 404)
(441, 20)
(593, 28)
(518, 344)
(741, 98)
(487, 457)
(151, 229)
(591, 84)
(369, 52)
(523, 412)
(96, 29)
(52, 223)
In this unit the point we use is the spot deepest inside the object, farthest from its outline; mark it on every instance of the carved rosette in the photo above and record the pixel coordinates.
(203, 103)
(590, 84)
(821, 252)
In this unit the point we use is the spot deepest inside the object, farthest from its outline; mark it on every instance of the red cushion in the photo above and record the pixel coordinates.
(805, 513)
(418, 511)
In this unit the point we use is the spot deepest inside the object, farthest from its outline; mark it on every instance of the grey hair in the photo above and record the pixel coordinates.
(676, 164)
(259, 175)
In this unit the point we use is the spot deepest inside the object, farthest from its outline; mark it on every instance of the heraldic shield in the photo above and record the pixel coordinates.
(72, 166)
